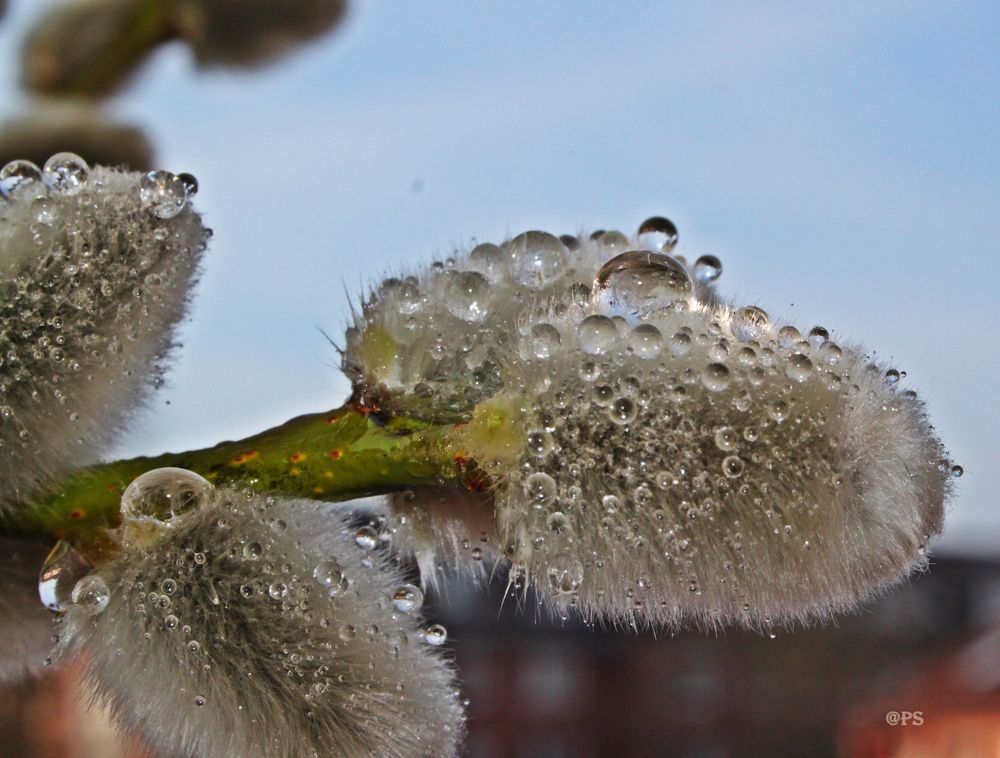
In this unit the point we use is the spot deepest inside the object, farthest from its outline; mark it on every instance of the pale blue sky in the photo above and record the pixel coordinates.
(841, 158)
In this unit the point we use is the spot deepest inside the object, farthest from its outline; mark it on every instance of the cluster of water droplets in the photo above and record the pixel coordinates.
(683, 458)
(92, 282)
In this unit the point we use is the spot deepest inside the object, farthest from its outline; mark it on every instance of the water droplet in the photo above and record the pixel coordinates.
(732, 466)
(818, 335)
(565, 574)
(596, 334)
(193, 646)
(190, 184)
(750, 323)
(252, 551)
(170, 622)
(66, 173)
(557, 522)
(657, 233)
(891, 376)
(540, 487)
(162, 193)
(799, 367)
(788, 336)
(199, 700)
(640, 282)
(277, 590)
(622, 411)
(408, 598)
(680, 343)
(537, 259)
(330, 575)
(778, 410)
(44, 211)
(169, 586)
(544, 340)
(21, 180)
(646, 341)
(60, 572)
(830, 353)
(715, 377)
(366, 538)
(613, 241)
(957, 471)
(488, 260)
(466, 295)
(540, 444)
(435, 635)
(707, 268)
(726, 438)
(164, 494)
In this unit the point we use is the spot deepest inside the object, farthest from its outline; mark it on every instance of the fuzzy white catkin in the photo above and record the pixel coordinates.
(259, 628)
(91, 286)
(682, 461)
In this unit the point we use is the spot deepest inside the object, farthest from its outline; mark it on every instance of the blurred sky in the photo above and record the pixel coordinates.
(841, 158)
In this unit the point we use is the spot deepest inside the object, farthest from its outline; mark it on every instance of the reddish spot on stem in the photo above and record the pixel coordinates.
(336, 454)
(76, 514)
(332, 419)
(476, 483)
(366, 409)
(461, 461)
(112, 488)
(296, 457)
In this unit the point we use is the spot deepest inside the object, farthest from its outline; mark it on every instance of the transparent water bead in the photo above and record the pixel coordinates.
(164, 194)
(488, 260)
(66, 173)
(467, 295)
(91, 594)
(640, 282)
(408, 598)
(435, 635)
(597, 334)
(707, 268)
(329, 575)
(715, 377)
(657, 233)
(164, 494)
(21, 180)
(646, 341)
(61, 571)
(750, 323)
(537, 259)
(190, 184)
(366, 538)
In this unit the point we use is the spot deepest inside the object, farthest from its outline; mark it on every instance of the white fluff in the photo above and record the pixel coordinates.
(623, 500)
(283, 667)
(88, 303)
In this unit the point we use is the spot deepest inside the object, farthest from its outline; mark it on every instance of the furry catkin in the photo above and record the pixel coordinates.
(682, 460)
(92, 283)
(260, 628)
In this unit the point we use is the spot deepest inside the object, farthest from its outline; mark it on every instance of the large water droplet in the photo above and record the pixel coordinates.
(597, 334)
(544, 340)
(640, 282)
(646, 341)
(162, 193)
(799, 367)
(750, 323)
(21, 180)
(62, 569)
(366, 538)
(466, 295)
(488, 260)
(66, 173)
(537, 259)
(541, 487)
(164, 494)
(435, 635)
(330, 575)
(91, 594)
(657, 233)
(715, 377)
(707, 268)
(408, 598)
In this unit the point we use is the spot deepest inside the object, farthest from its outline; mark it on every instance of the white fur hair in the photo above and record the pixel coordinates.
(88, 303)
(218, 641)
(704, 466)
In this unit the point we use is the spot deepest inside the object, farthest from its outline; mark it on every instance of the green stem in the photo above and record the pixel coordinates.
(337, 455)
